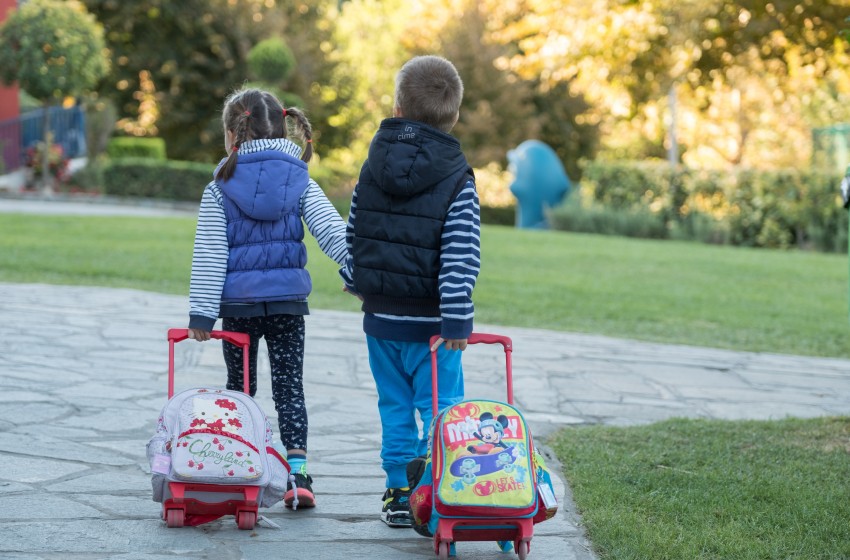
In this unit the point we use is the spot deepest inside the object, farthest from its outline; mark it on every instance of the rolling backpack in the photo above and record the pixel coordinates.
(212, 453)
(483, 477)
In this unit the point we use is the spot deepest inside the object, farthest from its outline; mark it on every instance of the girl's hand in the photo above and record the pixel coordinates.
(199, 335)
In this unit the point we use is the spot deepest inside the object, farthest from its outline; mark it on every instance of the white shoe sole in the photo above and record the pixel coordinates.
(397, 520)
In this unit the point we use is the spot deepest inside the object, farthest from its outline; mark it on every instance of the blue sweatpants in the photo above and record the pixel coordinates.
(402, 372)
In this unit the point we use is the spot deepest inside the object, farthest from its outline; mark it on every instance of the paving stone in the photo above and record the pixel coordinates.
(39, 446)
(23, 396)
(129, 447)
(48, 506)
(124, 506)
(24, 469)
(33, 413)
(108, 420)
(7, 487)
(104, 483)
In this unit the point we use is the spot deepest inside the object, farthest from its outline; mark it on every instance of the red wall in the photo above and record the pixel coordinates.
(9, 103)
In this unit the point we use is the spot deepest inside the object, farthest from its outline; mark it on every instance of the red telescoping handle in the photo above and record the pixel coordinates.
(475, 338)
(239, 339)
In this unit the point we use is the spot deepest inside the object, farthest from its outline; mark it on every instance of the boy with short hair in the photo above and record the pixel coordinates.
(413, 238)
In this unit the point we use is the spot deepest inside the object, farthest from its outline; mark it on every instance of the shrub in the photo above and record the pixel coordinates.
(136, 146)
(596, 218)
(89, 179)
(625, 185)
(101, 116)
(271, 60)
(778, 208)
(696, 226)
(498, 215)
(150, 178)
(57, 162)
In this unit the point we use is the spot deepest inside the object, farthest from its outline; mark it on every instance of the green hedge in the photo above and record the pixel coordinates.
(779, 208)
(635, 221)
(498, 215)
(133, 146)
(149, 178)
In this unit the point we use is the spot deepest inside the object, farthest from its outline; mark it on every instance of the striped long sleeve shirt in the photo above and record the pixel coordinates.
(209, 259)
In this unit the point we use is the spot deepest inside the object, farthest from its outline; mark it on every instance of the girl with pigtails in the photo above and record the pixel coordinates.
(249, 260)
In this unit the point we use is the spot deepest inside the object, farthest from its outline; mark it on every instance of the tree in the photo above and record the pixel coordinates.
(271, 60)
(364, 48)
(53, 49)
(175, 62)
(272, 63)
(752, 77)
(501, 108)
(497, 113)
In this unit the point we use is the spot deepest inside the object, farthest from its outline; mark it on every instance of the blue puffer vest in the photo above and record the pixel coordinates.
(262, 204)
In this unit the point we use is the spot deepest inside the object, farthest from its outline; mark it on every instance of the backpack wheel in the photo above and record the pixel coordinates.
(443, 550)
(246, 520)
(174, 517)
(522, 549)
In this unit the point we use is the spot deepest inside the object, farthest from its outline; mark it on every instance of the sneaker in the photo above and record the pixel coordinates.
(415, 470)
(300, 493)
(396, 510)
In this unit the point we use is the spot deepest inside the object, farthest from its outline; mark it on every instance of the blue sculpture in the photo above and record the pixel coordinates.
(540, 182)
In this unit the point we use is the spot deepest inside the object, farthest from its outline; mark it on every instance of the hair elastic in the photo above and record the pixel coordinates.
(309, 140)
(284, 112)
(235, 148)
(247, 113)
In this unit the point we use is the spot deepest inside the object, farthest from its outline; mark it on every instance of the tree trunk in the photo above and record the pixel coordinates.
(46, 182)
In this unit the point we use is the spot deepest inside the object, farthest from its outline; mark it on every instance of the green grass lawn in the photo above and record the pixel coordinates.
(744, 299)
(681, 489)
(697, 489)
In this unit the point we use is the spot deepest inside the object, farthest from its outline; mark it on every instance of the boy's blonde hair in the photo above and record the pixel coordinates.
(428, 89)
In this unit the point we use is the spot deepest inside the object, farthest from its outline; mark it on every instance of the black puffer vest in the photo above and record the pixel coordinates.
(406, 186)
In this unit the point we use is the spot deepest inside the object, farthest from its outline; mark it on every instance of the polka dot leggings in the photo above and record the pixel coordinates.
(284, 336)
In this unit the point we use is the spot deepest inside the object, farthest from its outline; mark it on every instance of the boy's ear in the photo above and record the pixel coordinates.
(397, 112)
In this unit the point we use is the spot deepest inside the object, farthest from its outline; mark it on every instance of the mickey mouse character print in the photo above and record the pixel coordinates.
(490, 432)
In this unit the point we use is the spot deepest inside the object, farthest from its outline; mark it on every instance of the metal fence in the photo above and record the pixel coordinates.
(68, 127)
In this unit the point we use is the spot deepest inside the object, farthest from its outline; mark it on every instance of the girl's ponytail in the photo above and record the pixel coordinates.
(304, 130)
(225, 172)
(237, 118)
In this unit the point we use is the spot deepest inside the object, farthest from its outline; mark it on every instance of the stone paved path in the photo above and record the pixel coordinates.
(84, 375)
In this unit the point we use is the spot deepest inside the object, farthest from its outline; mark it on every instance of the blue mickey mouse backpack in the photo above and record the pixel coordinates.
(483, 478)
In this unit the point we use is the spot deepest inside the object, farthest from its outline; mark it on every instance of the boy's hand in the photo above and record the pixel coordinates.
(451, 344)
(355, 294)
(199, 335)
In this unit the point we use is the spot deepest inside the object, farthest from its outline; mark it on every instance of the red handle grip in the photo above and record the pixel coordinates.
(237, 338)
(474, 338)
(483, 338)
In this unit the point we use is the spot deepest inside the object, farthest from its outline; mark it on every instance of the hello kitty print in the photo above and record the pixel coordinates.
(220, 414)
(214, 439)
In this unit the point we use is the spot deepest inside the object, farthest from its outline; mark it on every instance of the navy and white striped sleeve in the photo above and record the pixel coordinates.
(324, 223)
(347, 270)
(209, 261)
(460, 262)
